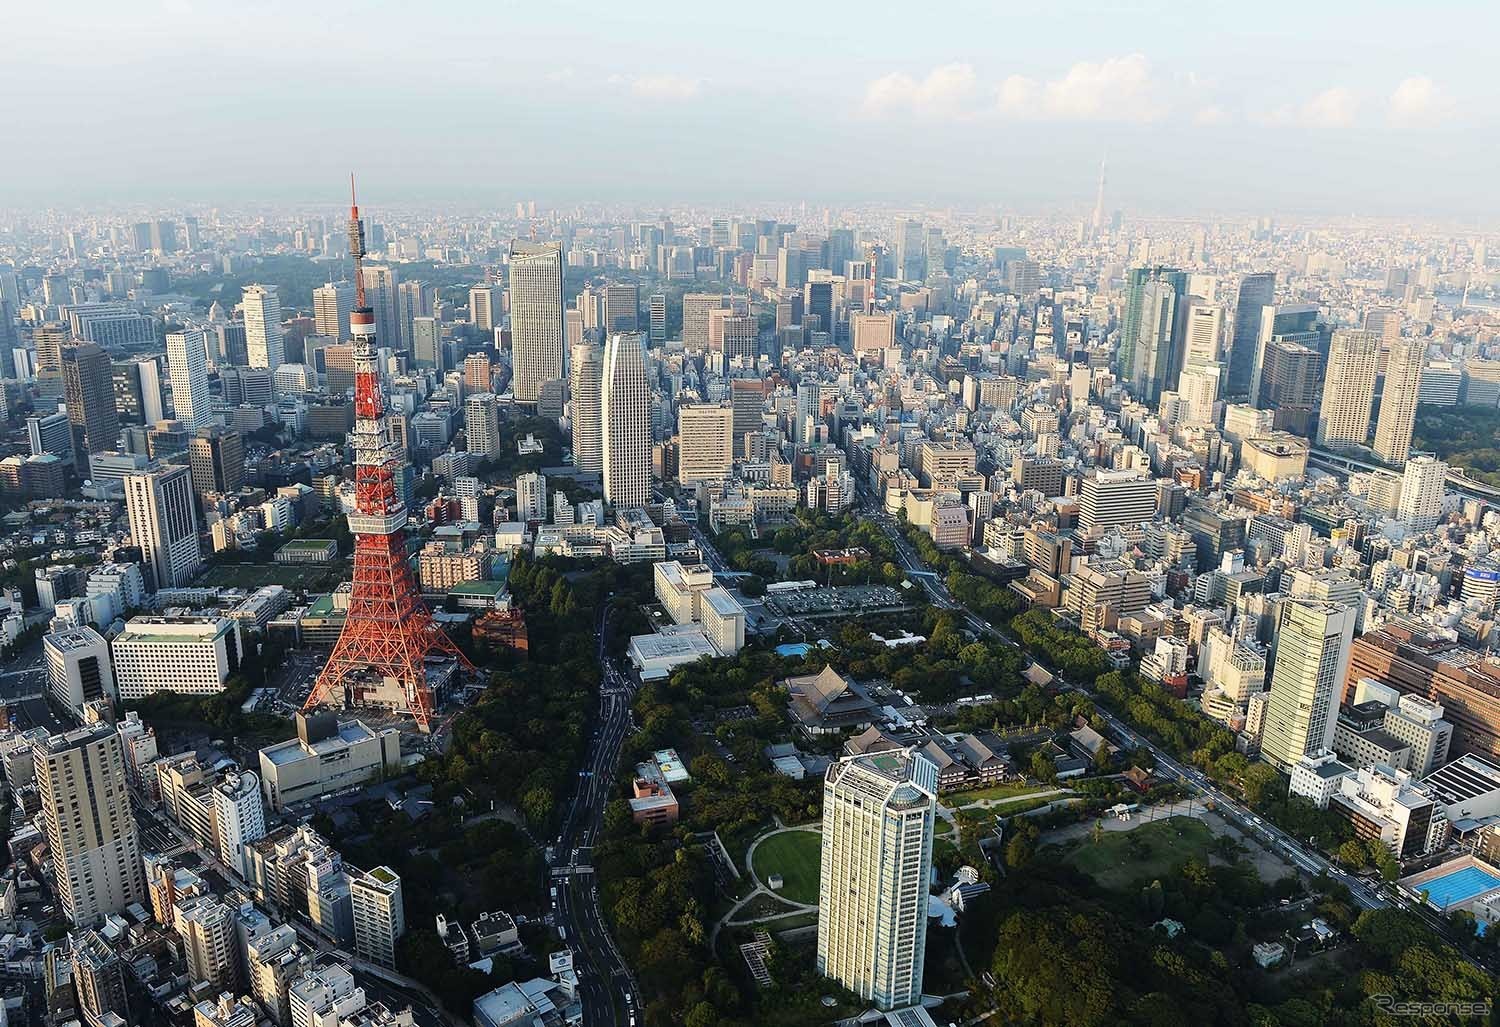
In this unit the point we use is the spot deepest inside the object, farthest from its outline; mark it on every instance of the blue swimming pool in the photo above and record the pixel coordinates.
(1459, 886)
(794, 649)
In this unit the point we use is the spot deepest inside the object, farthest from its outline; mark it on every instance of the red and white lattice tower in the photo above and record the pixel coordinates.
(389, 632)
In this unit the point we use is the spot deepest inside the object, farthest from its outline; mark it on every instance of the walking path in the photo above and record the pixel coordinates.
(729, 918)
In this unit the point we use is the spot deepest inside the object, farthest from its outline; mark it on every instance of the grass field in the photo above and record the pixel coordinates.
(795, 855)
(318, 577)
(1011, 790)
(1125, 859)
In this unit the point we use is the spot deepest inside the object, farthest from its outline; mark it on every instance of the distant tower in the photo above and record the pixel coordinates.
(588, 429)
(389, 632)
(625, 415)
(1097, 225)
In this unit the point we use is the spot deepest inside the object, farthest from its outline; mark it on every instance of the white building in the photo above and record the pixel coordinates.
(326, 757)
(705, 443)
(625, 412)
(482, 424)
(187, 364)
(679, 587)
(163, 512)
(723, 620)
(531, 497)
(239, 816)
(1110, 498)
(187, 655)
(324, 997)
(1349, 388)
(878, 813)
(1316, 777)
(263, 343)
(1421, 504)
(78, 668)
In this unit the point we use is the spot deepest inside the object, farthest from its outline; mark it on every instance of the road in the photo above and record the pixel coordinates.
(604, 978)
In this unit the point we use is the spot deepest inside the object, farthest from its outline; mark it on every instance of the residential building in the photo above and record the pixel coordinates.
(482, 424)
(1423, 483)
(1310, 657)
(1398, 400)
(878, 815)
(379, 916)
(587, 388)
(1349, 388)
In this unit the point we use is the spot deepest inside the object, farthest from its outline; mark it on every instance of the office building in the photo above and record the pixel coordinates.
(625, 413)
(482, 424)
(911, 250)
(164, 523)
(1257, 291)
(140, 393)
(658, 317)
(695, 308)
(264, 346)
(78, 668)
(91, 835)
(1398, 401)
(484, 308)
(878, 813)
(332, 302)
(187, 655)
(1310, 657)
(379, 916)
(327, 756)
(427, 343)
(216, 460)
(1136, 319)
(536, 317)
(531, 497)
(187, 363)
(1108, 499)
(587, 426)
(1156, 340)
(621, 309)
(382, 284)
(477, 373)
(747, 400)
(1348, 389)
(705, 443)
(50, 434)
(88, 388)
(1422, 487)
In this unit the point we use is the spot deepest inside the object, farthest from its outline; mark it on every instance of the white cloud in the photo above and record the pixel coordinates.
(1335, 107)
(1419, 101)
(661, 87)
(947, 91)
(1117, 89)
(1211, 115)
(565, 74)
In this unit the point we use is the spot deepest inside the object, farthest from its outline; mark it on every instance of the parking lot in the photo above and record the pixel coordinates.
(836, 601)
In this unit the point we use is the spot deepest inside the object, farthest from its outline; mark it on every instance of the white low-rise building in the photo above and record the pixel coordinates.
(1316, 777)
(78, 667)
(189, 655)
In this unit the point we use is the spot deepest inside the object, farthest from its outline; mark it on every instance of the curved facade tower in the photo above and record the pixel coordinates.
(381, 655)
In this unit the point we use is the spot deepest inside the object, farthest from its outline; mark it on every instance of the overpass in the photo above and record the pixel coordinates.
(1457, 480)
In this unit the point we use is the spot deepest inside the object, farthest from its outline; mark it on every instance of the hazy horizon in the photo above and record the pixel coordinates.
(1334, 110)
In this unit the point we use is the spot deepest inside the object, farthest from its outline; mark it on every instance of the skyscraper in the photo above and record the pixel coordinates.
(1203, 324)
(911, 250)
(484, 307)
(164, 522)
(878, 815)
(1422, 486)
(1311, 653)
(332, 302)
(427, 343)
(622, 311)
(588, 382)
(1348, 388)
(1130, 321)
(380, 284)
(140, 395)
(89, 389)
(482, 424)
(1256, 291)
(263, 344)
(1398, 401)
(748, 400)
(625, 413)
(1155, 340)
(695, 308)
(536, 317)
(187, 362)
(705, 443)
(91, 834)
(216, 460)
(658, 317)
(413, 300)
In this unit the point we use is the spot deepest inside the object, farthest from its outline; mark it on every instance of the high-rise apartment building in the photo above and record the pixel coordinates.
(482, 424)
(239, 817)
(1398, 400)
(164, 523)
(91, 833)
(536, 317)
(99, 980)
(1348, 388)
(379, 915)
(210, 944)
(187, 362)
(1422, 486)
(477, 372)
(1256, 292)
(89, 390)
(531, 497)
(625, 413)
(1311, 656)
(332, 302)
(878, 813)
(587, 386)
(264, 346)
(705, 443)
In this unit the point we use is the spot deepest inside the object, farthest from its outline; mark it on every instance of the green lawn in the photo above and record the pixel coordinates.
(1009, 790)
(322, 577)
(1125, 859)
(795, 855)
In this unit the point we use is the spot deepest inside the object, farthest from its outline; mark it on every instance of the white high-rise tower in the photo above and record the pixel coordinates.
(1348, 388)
(1398, 403)
(625, 410)
(588, 438)
(263, 343)
(187, 363)
(536, 317)
(1312, 654)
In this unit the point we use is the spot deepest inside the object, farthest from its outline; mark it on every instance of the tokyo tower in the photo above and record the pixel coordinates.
(382, 653)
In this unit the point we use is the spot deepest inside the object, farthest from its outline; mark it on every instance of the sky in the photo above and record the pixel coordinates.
(1321, 107)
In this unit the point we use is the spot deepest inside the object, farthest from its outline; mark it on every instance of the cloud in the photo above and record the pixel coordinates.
(1117, 89)
(660, 87)
(1335, 107)
(1419, 101)
(565, 74)
(947, 91)
(1211, 115)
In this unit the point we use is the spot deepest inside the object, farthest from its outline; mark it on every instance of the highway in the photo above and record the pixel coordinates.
(604, 978)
